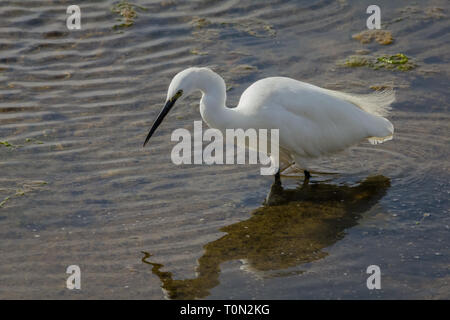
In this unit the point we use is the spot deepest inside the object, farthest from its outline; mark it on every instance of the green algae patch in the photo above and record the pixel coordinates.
(32, 140)
(8, 145)
(397, 61)
(128, 13)
(4, 201)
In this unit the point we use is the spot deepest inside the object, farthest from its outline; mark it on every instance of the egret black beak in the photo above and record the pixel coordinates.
(169, 104)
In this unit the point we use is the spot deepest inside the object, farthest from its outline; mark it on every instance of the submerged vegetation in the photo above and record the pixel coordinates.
(383, 37)
(26, 188)
(198, 52)
(128, 13)
(15, 146)
(200, 22)
(253, 27)
(397, 61)
(33, 141)
(4, 201)
(7, 144)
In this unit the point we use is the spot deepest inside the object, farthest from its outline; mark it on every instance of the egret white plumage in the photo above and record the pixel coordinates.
(313, 122)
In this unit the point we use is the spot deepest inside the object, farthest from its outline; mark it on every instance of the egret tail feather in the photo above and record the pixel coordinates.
(377, 103)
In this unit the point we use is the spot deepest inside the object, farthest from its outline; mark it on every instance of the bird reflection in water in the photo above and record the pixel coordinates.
(292, 228)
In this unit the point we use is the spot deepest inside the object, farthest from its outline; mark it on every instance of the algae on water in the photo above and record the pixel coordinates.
(397, 61)
(253, 27)
(198, 52)
(200, 22)
(33, 140)
(8, 145)
(25, 189)
(128, 14)
(381, 36)
(15, 146)
(357, 61)
(4, 201)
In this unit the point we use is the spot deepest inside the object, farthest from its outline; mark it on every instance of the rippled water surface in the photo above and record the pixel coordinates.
(76, 186)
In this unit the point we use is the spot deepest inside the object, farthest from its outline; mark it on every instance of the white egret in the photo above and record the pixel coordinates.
(313, 122)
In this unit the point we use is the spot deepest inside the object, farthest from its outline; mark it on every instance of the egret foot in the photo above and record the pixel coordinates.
(307, 176)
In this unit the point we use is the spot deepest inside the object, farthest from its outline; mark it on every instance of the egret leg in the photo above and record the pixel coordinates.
(307, 176)
(277, 178)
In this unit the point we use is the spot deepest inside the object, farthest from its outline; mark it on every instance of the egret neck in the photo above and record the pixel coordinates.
(213, 107)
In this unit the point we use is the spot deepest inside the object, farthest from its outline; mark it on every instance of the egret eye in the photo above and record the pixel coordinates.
(178, 94)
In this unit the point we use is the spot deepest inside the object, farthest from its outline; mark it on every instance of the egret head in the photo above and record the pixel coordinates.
(182, 85)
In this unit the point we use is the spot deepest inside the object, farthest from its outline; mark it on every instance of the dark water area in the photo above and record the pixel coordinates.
(76, 186)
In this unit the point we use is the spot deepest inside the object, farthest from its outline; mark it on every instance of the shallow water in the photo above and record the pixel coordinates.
(76, 186)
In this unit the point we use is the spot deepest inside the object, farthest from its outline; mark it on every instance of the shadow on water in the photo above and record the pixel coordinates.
(291, 229)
